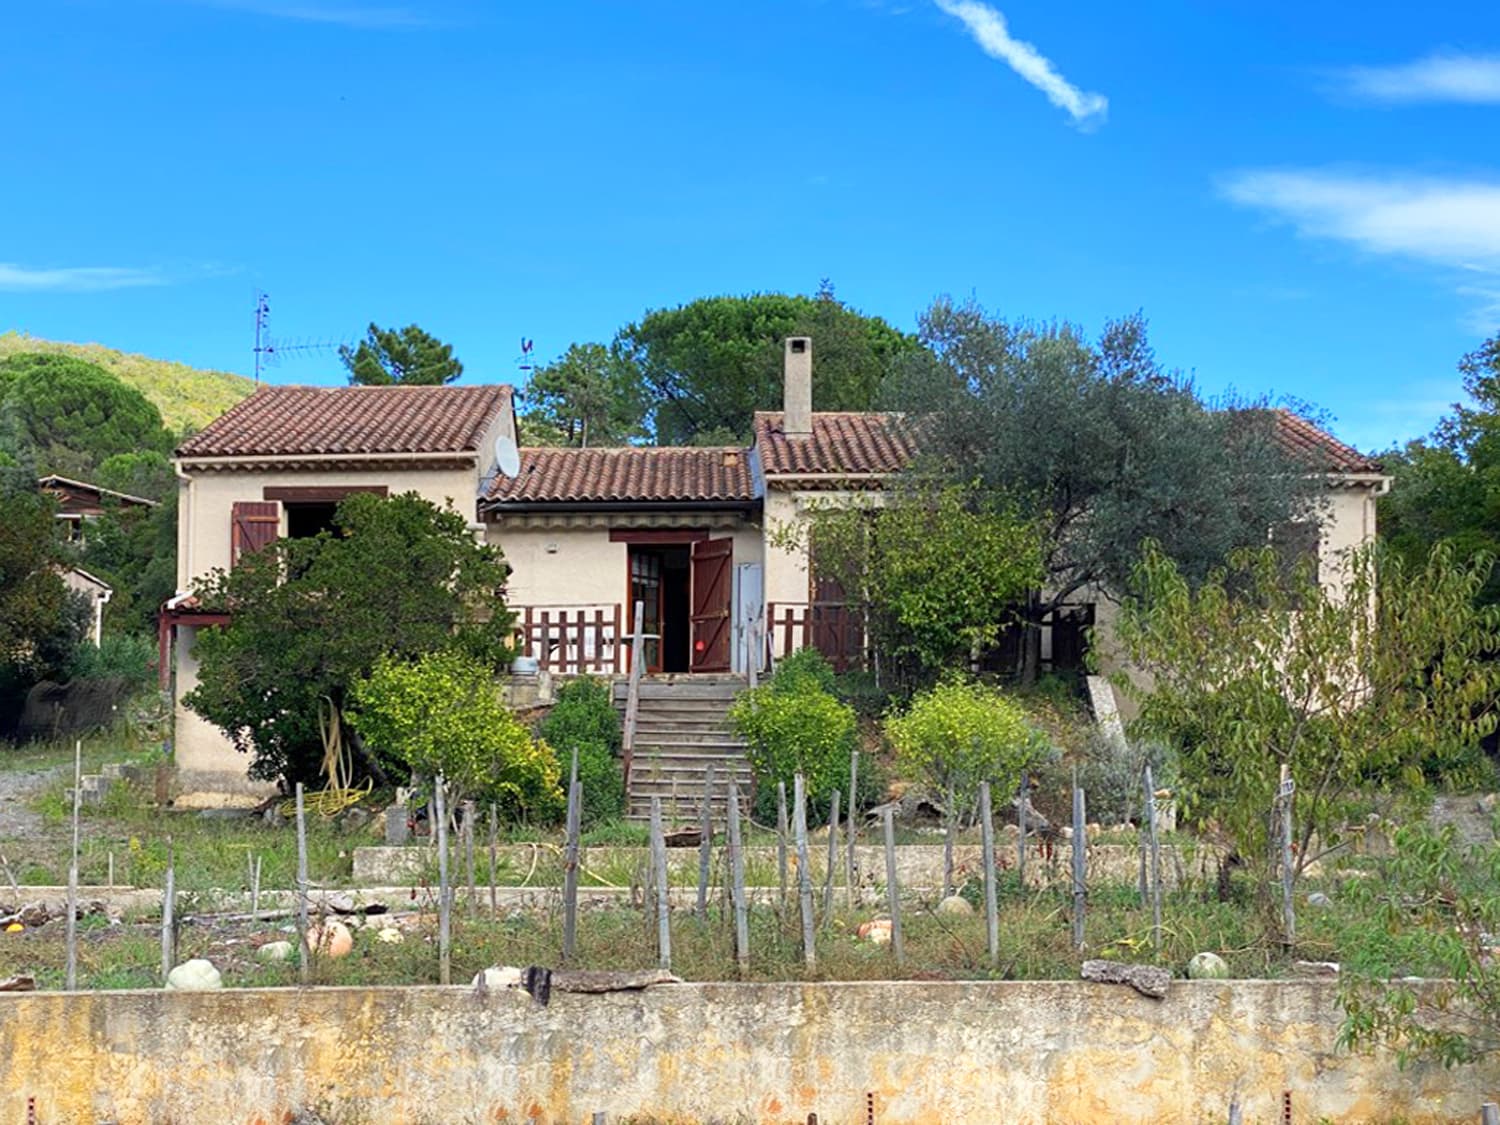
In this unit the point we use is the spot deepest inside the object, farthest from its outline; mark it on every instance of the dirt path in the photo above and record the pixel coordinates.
(17, 788)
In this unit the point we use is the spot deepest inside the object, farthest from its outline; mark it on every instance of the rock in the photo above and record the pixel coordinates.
(498, 977)
(331, 939)
(608, 980)
(1316, 968)
(955, 905)
(196, 975)
(683, 837)
(1320, 900)
(877, 932)
(356, 818)
(1207, 966)
(390, 936)
(397, 827)
(18, 984)
(1148, 980)
(274, 951)
(338, 902)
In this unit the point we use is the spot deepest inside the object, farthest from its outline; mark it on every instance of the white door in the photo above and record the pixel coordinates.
(749, 619)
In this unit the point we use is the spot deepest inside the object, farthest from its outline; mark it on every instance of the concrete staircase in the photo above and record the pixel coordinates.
(95, 787)
(681, 730)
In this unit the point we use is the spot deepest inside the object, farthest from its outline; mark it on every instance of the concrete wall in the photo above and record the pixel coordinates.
(921, 1051)
(211, 773)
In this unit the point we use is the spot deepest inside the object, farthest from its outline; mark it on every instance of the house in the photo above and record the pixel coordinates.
(691, 535)
(277, 464)
(78, 504)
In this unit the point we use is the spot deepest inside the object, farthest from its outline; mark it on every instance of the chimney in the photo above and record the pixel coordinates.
(797, 387)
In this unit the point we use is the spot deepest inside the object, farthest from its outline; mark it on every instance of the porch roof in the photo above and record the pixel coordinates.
(626, 474)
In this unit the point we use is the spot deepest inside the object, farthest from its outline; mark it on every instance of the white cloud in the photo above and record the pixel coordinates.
(1436, 78)
(77, 279)
(1453, 223)
(988, 28)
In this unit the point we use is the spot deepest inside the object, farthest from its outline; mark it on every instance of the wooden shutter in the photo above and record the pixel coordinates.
(253, 524)
(712, 579)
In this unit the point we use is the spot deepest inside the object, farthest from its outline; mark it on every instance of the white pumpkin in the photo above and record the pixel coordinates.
(196, 975)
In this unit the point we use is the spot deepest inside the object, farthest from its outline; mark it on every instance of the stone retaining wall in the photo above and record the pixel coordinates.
(909, 1052)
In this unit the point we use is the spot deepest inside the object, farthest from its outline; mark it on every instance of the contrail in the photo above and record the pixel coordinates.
(987, 26)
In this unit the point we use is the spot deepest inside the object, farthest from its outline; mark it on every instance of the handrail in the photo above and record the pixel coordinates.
(633, 692)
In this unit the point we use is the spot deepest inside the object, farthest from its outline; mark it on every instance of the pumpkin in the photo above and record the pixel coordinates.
(331, 939)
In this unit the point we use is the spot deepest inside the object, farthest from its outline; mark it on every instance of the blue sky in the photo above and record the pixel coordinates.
(1303, 198)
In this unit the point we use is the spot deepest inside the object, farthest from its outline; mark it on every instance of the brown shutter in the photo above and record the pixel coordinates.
(253, 524)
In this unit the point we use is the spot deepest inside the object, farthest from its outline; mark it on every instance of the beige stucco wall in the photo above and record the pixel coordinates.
(930, 1052)
(206, 500)
(210, 771)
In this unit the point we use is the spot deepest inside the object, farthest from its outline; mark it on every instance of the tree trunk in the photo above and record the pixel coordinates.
(370, 762)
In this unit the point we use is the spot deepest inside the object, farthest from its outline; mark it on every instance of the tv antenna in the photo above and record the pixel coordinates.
(268, 350)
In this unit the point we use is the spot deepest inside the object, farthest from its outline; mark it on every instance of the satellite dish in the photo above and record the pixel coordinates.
(507, 456)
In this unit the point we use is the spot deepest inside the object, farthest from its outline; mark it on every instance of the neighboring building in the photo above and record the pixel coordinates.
(79, 503)
(694, 535)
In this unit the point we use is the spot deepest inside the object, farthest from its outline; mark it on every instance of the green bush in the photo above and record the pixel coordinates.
(439, 715)
(584, 718)
(961, 733)
(125, 656)
(793, 724)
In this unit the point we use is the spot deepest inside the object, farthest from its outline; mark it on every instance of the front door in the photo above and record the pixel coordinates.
(713, 586)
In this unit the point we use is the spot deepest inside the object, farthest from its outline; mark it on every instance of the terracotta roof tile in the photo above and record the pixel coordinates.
(1318, 448)
(640, 474)
(287, 421)
(856, 444)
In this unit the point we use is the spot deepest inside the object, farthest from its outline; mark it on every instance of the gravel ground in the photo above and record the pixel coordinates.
(17, 787)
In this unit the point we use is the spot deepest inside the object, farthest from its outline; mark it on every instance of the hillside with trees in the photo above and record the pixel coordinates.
(188, 397)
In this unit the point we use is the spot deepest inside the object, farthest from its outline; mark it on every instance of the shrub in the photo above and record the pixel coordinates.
(584, 718)
(439, 715)
(961, 733)
(125, 656)
(794, 724)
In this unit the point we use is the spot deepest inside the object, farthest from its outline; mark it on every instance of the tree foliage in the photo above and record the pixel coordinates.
(1355, 689)
(32, 593)
(1447, 487)
(1099, 444)
(793, 724)
(395, 577)
(588, 397)
(70, 415)
(959, 734)
(439, 715)
(407, 356)
(707, 366)
(1419, 972)
(939, 570)
(584, 719)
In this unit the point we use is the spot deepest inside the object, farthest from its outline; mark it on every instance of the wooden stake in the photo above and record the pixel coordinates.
(781, 861)
(304, 963)
(1284, 796)
(1155, 844)
(72, 934)
(659, 872)
(10, 877)
(1489, 1114)
(949, 828)
(833, 859)
(445, 900)
(1021, 824)
(804, 872)
(469, 815)
(633, 692)
(1080, 846)
(494, 861)
(737, 881)
(987, 860)
(168, 898)
(255, 888)
(853, 823)
(111, 870)
(570, 870)
(706, 842)
(893, 889)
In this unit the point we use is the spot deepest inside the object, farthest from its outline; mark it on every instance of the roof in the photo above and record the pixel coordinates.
(303, 421)
(55, 482)
(1318, 448)
(846, 444)
(626, 474)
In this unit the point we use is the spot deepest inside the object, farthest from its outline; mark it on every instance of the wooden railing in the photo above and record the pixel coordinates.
(573, 639)
(836, 629)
